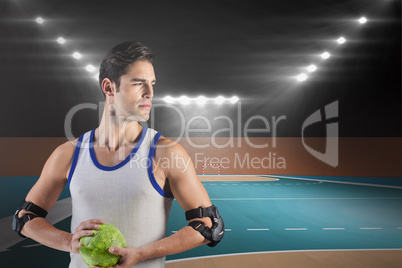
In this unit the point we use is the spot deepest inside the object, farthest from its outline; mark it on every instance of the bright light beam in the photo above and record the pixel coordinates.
(39, 20)
(219, 100)
(341, 40)
(168, 99)
(201, 100)
(77, 55)
(234, 99)
(184, 100)
(312, 68)
(362, 20)
(325, 55)
(61, 40)
(90, 68)
(302, 77)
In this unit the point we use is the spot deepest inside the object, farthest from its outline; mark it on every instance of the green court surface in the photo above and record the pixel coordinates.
(282, 215)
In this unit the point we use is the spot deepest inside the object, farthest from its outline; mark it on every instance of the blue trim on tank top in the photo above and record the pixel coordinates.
(150, 168)
(128, 158)
(75, 159)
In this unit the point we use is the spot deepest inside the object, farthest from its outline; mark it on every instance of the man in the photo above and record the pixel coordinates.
(109, 183)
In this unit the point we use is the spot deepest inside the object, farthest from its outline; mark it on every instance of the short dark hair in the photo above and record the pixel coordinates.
(118, 59)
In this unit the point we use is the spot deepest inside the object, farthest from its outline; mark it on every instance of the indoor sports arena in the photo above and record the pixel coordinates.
(290, 112)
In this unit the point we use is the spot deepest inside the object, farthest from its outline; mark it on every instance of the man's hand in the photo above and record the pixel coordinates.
(84, 229)
(129, 256)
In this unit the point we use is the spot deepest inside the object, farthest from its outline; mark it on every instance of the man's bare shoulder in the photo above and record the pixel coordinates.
(59, 162)
(68, 147)
(64, 153)
(165, 147)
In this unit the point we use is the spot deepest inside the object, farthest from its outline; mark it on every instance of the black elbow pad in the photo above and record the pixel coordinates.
(213, 234)
(18, 223)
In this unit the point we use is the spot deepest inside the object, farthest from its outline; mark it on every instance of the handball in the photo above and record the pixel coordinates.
(95, 248)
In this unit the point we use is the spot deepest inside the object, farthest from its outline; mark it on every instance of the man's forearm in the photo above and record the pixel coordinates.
(42, 231)
(184, 239)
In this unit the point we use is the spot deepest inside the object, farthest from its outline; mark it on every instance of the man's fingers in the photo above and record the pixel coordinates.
(117, 251)
(89, 225)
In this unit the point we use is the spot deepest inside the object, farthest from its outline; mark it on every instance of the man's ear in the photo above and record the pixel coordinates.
(107, 87)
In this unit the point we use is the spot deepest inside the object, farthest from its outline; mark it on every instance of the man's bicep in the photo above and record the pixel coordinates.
(52, 180)
(185, 185)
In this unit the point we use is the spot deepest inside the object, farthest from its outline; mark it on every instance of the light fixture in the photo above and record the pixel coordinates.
(201, 100)
(362, 20)
(90, 68)
(184, 100)
(39, 20)
(168, 99)
(61, 40)
(301, 77)
(325, 55)
(311, 68)
(219, 99)
(77, 55)
(341, 40)
(234, 99)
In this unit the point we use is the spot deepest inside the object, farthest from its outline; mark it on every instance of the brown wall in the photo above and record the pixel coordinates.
(365, 157)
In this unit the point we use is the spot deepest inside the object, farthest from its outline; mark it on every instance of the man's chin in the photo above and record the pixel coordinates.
(137, 117)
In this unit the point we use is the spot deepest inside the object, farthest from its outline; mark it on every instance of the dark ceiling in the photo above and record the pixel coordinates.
(252, 49)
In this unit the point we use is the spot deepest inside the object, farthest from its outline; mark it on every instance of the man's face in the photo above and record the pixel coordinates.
(134, 96)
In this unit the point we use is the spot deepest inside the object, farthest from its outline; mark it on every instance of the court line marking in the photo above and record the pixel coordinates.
(398, 227)
(370, 228)
(263, 229)
(333, 228)
(296, 229)
(278, 251)
(228, 230)
(307, 198)
(342, 182)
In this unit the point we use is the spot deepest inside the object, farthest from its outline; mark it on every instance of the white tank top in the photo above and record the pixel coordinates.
(125, 195)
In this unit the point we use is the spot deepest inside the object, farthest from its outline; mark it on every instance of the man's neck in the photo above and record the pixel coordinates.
(114, 134)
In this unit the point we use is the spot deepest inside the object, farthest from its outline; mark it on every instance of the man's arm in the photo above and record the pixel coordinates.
(189, 193)
(45, 193)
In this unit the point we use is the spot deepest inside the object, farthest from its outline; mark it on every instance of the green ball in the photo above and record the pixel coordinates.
(94, 250)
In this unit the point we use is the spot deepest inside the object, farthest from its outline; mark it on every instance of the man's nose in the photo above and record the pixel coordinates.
(149, 92)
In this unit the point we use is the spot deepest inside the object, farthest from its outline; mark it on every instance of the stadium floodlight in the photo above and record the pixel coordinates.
(219, 100)
(325, 55)
(234, 99)
(341, 40)
(61, 40)
(168, 99)
(90, 68)
(201, 100)
(302, 77)
(184, 100)
(362, 20)
(77, 55)
(311, 68)
(39, 20)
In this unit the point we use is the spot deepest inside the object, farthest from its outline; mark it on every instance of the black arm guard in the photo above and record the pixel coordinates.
(213, 234)
(18, 223)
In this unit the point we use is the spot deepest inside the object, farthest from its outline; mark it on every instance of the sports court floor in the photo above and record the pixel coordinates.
(271, 214)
